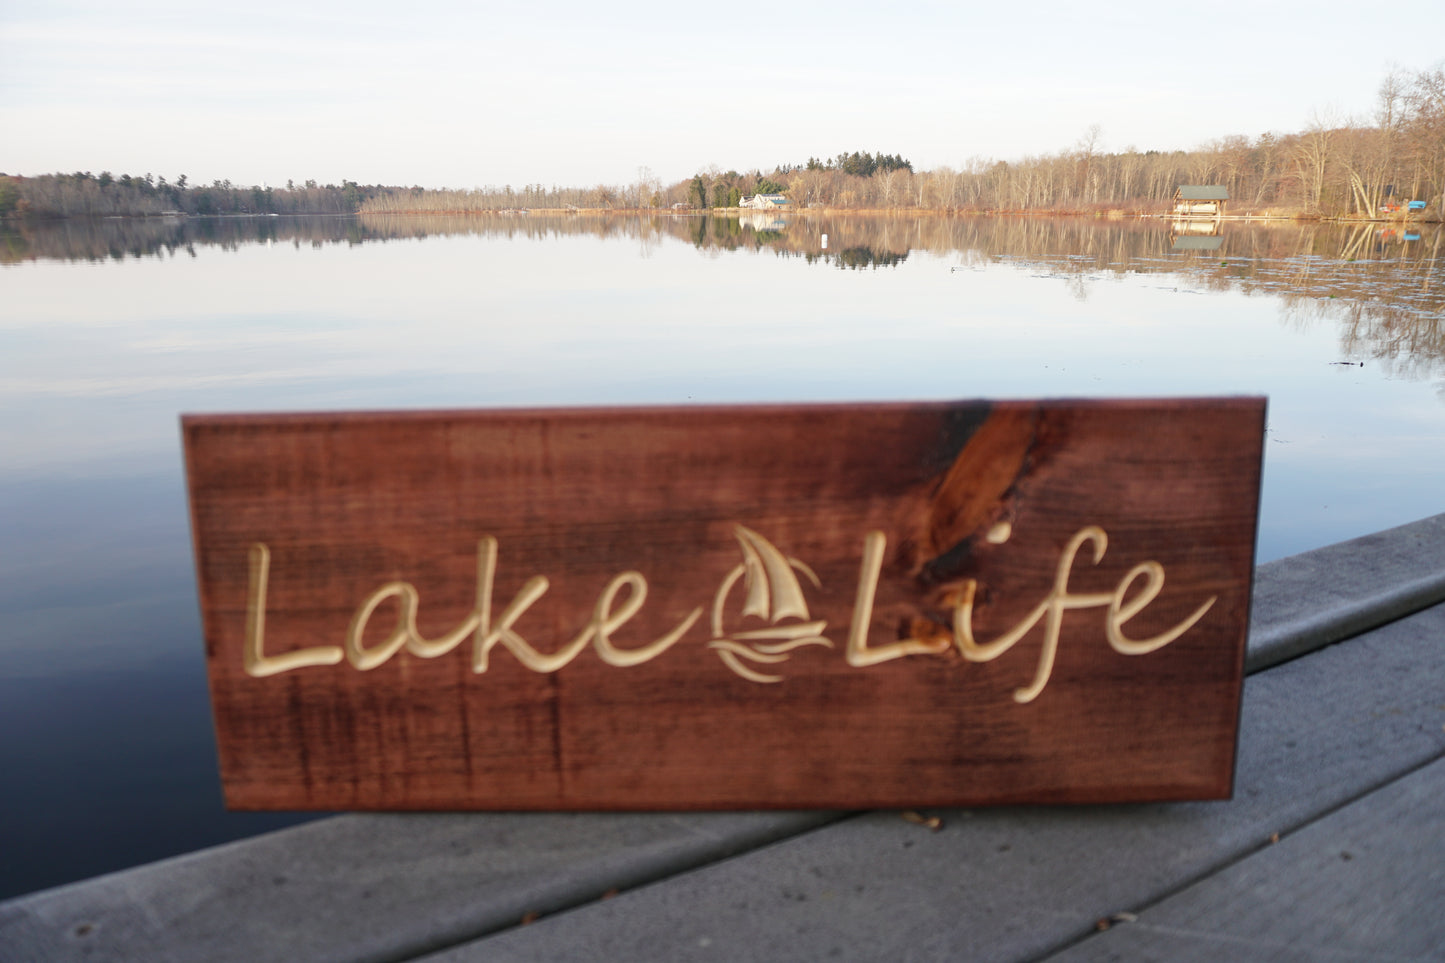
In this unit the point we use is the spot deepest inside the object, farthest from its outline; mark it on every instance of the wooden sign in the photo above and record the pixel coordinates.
(794, 606)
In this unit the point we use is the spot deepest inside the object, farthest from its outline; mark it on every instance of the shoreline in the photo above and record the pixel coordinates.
(1113, 214)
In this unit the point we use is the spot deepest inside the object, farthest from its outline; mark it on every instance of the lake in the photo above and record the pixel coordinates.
(112, 328)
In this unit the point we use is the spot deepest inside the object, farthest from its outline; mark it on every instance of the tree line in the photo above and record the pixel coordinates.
(83, 194)
(1353, 168)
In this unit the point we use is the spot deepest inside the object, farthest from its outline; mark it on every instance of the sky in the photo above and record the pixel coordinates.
(573, 93)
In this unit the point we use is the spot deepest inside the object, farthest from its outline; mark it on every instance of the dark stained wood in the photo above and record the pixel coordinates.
(962, 496)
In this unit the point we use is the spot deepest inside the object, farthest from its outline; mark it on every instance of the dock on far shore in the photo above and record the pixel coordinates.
(1333, 846)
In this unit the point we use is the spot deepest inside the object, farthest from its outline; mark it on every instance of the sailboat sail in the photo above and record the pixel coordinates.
(773, 594)
(770, 578)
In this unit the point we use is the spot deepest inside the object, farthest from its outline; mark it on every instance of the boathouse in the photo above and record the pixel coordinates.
(1200, 200)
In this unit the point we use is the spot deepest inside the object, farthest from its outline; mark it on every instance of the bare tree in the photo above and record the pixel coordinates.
(1312, 157)
(1425, 99)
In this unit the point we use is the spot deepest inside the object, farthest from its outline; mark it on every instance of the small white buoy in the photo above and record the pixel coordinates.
(825, 242)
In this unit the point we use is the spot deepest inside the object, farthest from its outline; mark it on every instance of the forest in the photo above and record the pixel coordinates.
(1355, 168)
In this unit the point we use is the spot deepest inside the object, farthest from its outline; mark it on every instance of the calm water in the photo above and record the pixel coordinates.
(111, 329)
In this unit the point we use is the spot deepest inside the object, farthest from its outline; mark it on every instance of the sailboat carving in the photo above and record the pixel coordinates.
(772, 594)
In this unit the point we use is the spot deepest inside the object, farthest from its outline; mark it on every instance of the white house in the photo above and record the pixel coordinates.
(764, 202)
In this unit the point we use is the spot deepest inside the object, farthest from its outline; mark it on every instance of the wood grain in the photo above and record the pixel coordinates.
(967, 496)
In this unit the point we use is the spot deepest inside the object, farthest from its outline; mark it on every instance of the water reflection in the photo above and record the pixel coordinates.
(1196, 234)
(1381, 285)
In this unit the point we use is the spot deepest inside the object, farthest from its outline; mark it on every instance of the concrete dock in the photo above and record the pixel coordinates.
(1333, 847)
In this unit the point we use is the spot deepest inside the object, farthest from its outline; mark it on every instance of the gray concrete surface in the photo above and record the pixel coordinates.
(1326, 729)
